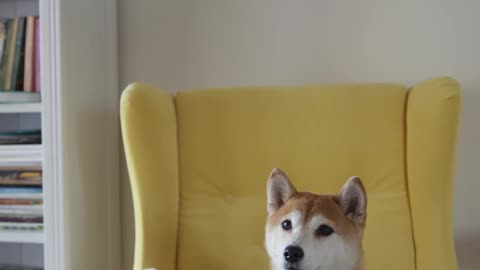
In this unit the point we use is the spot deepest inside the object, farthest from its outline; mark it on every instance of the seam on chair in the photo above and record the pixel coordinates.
(407, 178)
(174, 100)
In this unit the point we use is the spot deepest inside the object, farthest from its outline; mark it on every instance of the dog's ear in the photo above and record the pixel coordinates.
(353, 200)
(279, 190)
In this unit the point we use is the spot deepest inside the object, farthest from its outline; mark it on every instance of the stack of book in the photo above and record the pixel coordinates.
(21, 199)
(20, 137)
(19, 59)
(18, 267)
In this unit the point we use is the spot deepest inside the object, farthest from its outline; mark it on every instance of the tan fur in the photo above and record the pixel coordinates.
(328, 206)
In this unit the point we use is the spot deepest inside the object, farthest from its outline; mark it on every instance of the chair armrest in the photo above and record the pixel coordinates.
(432, 121)
(149, 132)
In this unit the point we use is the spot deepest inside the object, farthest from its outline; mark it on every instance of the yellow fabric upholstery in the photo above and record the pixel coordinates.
(150, 139)
(432, 120)
(198, 165)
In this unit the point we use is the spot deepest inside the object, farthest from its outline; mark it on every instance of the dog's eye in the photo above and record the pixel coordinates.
(324, 230)
(286, 224)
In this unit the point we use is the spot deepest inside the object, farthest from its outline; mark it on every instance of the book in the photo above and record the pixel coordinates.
(3, 65)
(3, 38)
(18, 267)
(20, 58)
(37, 66)
(21, 226)
(26, 190)
(35, 208)
(22, 182)
(20, 201)
(20, 196)
(19, 97)
(29, 54)
(25, 212)
(20, 218)
(12, 38)
(21, 137)
(20, 176)
(19, 54)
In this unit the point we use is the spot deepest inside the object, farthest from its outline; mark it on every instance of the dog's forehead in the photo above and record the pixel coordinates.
(313, 205)
(310, 206)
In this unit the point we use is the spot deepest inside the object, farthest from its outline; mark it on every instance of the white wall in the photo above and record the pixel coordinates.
(189, 44)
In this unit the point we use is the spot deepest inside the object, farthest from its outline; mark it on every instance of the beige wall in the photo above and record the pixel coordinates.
(184, 44)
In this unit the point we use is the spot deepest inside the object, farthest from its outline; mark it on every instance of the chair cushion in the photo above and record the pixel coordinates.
(230, 139)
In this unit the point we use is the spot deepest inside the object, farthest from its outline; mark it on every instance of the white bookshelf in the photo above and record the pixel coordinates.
(21, 247)
(79, 155)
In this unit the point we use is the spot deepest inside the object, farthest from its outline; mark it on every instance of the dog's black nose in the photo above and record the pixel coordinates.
(293, 254)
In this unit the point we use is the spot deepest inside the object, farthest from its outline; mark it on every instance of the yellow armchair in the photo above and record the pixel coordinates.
(198, 163)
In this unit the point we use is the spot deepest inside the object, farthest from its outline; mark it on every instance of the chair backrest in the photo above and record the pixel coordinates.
(199, 161)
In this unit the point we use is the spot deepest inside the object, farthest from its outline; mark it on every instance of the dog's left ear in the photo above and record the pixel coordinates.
(353, 200)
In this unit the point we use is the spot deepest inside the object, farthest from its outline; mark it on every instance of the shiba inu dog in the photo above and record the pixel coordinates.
(307, 231)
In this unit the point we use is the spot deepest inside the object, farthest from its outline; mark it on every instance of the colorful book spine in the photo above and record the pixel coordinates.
(29, 54)
(12, 38)
(18, 60)
(3, 38)
(37, 81)
(20, 66)
(3, 64)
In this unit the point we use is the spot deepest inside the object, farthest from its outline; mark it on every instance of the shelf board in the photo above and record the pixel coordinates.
(21, 155)
(21, 237)
(33, 107)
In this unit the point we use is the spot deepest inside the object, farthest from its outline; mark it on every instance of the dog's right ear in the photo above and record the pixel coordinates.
(279, 190)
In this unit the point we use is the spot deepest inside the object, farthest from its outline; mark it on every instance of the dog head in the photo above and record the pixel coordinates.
(307, 231)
